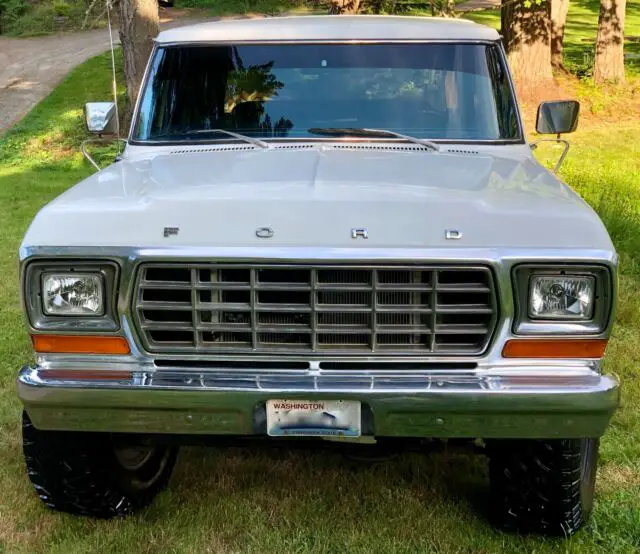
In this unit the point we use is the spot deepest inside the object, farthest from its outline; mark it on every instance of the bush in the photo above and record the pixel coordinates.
(10, 11)
(61, 8)
(45, 18)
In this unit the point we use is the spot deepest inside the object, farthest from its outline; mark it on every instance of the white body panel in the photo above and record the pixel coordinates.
(329, 28)
(315, 196)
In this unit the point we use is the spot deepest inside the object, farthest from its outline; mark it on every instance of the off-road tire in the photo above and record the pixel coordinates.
(79, 472)
(542, 486)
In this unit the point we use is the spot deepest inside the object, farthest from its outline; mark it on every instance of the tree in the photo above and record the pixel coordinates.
(442, 8)
(139, 25)
(559, 9)
(526, 30)
(344, 7)
(609, 63)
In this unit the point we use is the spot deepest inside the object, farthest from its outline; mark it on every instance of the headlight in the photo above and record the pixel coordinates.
(560, 297)
(75, 296)
(563, 299)
(71, 294)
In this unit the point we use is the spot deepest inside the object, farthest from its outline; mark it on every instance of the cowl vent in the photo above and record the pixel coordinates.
(381, 147)
(462, 151)
(221, 148)
(402, 147)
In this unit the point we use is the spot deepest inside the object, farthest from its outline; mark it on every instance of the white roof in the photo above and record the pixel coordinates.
(320, 28)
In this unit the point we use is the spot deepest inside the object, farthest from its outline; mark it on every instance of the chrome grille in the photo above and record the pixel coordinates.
(211, 308)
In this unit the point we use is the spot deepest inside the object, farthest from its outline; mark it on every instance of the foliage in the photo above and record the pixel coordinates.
(61, 8)
(258, 79)
(234, 7)
(580, 35)
(270, 7)
(10, 11)
(50, 16)
(247, 501)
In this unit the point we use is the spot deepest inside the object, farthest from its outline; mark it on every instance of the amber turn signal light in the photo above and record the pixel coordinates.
(554, 348)
(88, 344)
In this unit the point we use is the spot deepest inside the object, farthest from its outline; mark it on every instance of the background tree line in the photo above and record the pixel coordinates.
(532, 30)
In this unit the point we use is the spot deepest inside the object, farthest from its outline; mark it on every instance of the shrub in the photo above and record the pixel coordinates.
(43, 18)
(61, 8)
(10, 10)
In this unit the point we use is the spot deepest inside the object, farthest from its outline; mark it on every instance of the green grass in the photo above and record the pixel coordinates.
(581, 31)
(248, 501)
(37, 19)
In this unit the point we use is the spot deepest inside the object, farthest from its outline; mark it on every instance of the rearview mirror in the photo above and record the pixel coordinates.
(100, 117)
(557, 117)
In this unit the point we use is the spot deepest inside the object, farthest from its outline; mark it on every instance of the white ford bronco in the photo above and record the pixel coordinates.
(321, 229)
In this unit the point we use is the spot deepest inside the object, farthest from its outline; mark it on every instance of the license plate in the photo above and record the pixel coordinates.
(313, 418)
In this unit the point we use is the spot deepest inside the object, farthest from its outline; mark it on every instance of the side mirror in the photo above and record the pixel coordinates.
(558, 117)
(100, 117)
(555, 118)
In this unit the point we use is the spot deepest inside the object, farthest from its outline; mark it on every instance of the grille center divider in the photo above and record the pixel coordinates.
(293, 309)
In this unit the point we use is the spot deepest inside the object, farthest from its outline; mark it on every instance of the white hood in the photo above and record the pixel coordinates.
(314, 197)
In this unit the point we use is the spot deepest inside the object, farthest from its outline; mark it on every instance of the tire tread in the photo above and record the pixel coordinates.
(74, 472)
(541, 486)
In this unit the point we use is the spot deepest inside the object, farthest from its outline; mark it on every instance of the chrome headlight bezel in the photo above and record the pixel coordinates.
(38, 319)
(527, 324)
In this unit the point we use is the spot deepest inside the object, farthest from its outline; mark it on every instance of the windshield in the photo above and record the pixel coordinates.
(434, 91)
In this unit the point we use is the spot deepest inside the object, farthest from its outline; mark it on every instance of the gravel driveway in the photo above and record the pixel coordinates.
(30, 68)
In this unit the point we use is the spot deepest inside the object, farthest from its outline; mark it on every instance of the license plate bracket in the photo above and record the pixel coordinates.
(313, 418)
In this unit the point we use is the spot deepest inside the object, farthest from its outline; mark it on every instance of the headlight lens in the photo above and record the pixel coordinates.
(73, 294)
(562, 297)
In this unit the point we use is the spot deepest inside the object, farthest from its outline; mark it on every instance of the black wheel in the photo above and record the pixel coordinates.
(95, 474)
(542, 486)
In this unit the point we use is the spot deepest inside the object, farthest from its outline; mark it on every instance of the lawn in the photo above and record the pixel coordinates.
(287, 501)
(581, 31)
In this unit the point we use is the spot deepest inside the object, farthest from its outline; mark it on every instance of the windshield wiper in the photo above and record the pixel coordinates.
(355, 132)
(251, 140)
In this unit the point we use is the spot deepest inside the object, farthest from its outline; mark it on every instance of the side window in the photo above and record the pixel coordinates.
(507, 118)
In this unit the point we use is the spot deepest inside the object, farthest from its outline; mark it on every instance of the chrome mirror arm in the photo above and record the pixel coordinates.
(556, 140)
(97, 140)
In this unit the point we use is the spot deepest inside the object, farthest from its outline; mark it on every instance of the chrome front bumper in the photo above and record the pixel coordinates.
(517, 404)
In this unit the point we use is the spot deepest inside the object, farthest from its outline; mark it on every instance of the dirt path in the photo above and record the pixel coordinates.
(476, 5)
(30, 68)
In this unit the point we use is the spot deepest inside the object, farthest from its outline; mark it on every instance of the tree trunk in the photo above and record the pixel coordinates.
(450, 7)
(527, 39)
(609, 64)
(344, 7)
(139, 25)
(559, 9)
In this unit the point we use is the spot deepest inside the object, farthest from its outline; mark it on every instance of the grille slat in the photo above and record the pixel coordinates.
(419, 310)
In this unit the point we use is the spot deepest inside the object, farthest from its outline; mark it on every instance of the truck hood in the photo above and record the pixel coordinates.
(315, 197)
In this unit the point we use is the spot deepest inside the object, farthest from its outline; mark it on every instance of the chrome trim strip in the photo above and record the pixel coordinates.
(306, 254)
(143, 83)
(332, 41)
(34, 272)
(605, 295)
(426, 405)
(512, 90)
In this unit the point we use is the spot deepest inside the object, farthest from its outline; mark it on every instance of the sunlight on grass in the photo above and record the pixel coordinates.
(580, 34)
